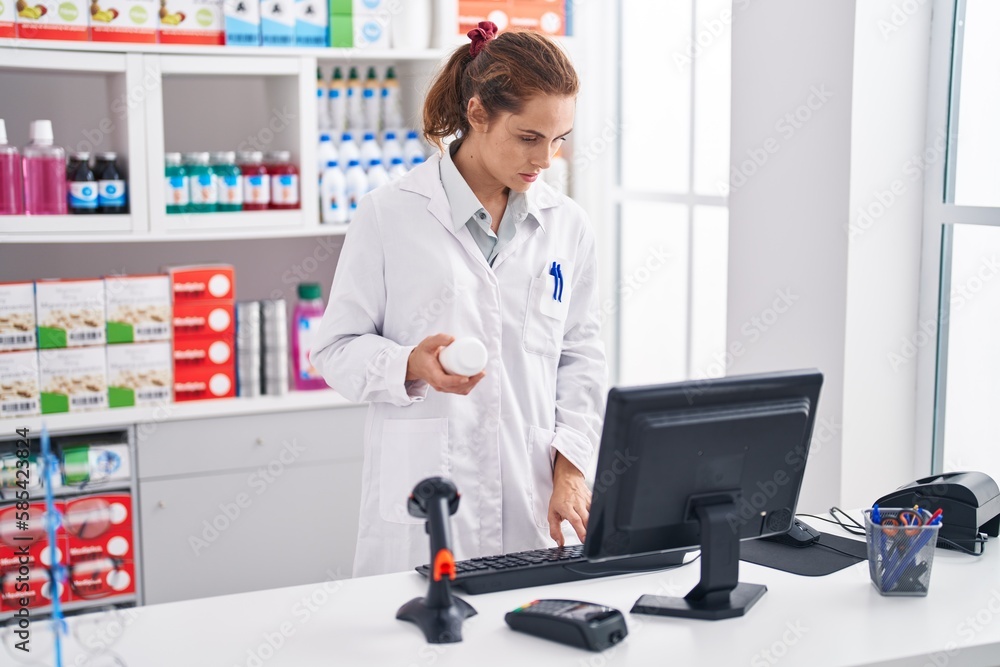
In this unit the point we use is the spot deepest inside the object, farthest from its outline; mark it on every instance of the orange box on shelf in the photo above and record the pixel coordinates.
(38, 593)
(198, 352)
(196, 384)
(202, 283)
(204, 318)
(544, 16)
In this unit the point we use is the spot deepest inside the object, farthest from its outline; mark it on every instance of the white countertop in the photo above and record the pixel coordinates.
(818, 621)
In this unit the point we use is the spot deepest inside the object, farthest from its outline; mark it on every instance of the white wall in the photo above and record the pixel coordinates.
(851, 280)
(891, 60)
(788, 252)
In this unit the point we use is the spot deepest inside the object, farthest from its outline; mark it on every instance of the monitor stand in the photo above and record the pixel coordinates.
(719, 594)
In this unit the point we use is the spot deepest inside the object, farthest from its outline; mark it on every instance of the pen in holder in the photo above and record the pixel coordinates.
(901, 550)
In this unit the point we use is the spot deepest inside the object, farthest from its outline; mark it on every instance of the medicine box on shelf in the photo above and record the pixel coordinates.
(124, 21)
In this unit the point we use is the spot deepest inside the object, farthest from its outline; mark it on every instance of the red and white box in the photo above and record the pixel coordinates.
(8, 17)
(38, 593)
(207, 282)
(196, 384)
(204, 368)
(545, 16)
(66, 20)
(124, 20)
(102, 578)
(11, 534)
(99, 526)
(39, 555)
(204, 352)
(204, 318)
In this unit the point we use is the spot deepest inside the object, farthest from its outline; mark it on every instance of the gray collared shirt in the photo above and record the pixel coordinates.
(467, 211)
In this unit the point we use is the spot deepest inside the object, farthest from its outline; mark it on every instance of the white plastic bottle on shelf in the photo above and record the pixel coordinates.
(355, 101)
(396, 168)
(372, 93)
(392, 114)
(369, 150)
(325, 152)
(333, 195)
(377, 175)
(322, 101)
(412, 148)
(410, 27)
(391, 148)
(337, 95)
(417, 160)
(445, 32)
(356, 185)
(348, 150)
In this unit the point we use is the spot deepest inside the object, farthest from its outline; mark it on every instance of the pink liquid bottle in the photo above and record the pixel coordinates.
(44, 173)
(10, 176)
(305, 326)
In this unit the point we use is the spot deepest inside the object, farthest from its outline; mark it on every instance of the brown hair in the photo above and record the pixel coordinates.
(510, 70)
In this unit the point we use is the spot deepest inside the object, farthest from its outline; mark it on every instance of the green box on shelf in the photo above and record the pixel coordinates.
(341, 31)
(54, 403)
(341, 7)
(95, 463)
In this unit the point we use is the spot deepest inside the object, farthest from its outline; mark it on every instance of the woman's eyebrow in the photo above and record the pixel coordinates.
(542, 136)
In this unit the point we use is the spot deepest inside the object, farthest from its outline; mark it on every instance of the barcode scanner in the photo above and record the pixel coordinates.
(440, 614)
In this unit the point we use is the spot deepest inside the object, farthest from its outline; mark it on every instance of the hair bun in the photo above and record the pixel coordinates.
(484, 32)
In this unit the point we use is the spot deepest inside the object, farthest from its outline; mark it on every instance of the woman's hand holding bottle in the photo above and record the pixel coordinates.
(424, 364)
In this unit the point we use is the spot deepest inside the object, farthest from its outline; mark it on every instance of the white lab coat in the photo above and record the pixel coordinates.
(405, 274)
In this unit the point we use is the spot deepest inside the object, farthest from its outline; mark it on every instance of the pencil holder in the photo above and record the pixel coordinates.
(900, 556)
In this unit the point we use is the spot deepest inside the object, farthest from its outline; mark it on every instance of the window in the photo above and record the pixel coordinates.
(963, 218)
(671, 199)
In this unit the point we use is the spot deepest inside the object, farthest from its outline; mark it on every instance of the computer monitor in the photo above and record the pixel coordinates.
(701, 464)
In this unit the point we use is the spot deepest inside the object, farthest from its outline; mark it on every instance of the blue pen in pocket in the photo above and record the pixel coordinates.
(556, 272)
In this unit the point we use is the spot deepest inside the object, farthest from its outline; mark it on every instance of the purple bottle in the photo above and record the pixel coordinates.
(44, 173)
(10, 176)
(305, 326)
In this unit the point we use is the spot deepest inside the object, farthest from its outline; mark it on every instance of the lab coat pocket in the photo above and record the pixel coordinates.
(540, 462)
(545, 317)
(412, 449)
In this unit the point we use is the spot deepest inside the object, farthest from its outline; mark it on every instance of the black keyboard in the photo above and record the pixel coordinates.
(541, 567)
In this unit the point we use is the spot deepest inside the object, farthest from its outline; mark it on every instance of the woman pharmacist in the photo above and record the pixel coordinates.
(468, 245)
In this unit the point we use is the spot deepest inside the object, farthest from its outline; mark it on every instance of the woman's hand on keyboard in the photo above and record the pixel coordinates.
(570, 500)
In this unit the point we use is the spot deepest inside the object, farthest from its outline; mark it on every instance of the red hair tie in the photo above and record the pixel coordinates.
(484, 32)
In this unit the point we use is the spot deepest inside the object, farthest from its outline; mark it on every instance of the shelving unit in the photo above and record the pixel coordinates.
(192, 458)
(103, 433)
(143, 100)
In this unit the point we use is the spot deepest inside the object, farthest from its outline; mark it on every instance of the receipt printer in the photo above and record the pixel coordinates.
(970, 502)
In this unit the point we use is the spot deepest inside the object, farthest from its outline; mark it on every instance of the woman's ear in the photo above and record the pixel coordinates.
(479, 120)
